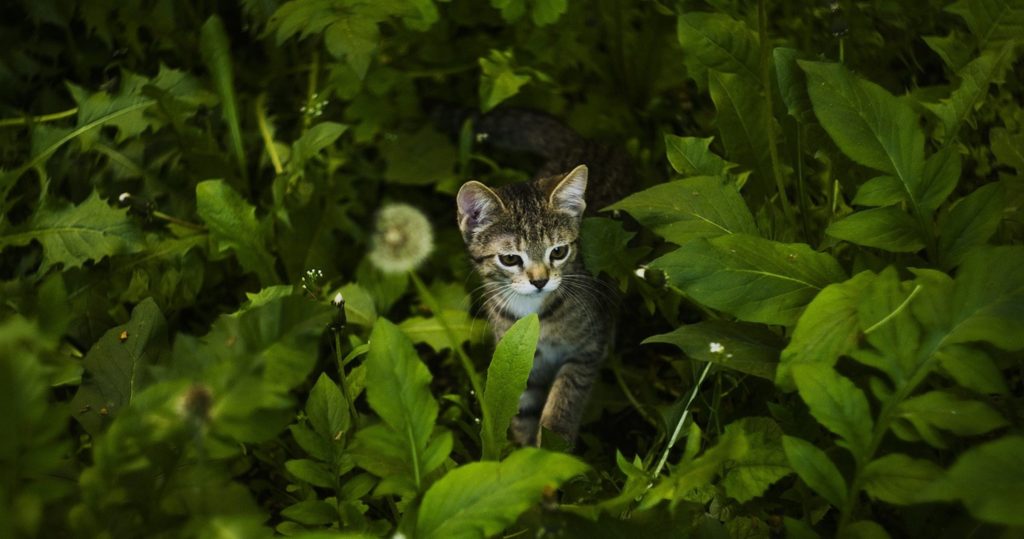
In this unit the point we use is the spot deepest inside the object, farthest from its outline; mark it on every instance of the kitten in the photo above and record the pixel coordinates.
(524, 241)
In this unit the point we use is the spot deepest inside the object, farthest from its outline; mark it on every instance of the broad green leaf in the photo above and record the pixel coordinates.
(947, 411)
(93, 106)
(763, 462)
(827, 329)
(715, 41)
(754, 279)
(941, 175)
(311, 512)
(971, 222)
(987, 479)
(1008, 147)
(604, 244)
(988, 299)
(117, 367)
(747, 348)
(327, 409)
(480, 499)
(421, 158)
(880, 191)
(975, 79)
(953, 48)
(546, 12)
(884, 317)
(864, 529)
(816, 469)
(398, 389)
(431, 332)
(994, 23)
(744, 126)
(888, 228)
(684, 210)
(359, 306)
(792, 84)
(868, 124)
(317, 138)
(499, 79)
(692, 156)
(837, 404)
(353, 37)
(899, 479)
(972, 368)
(233, 226)
(74, 235)
(506, 380)
(312, 472)
(216, 53)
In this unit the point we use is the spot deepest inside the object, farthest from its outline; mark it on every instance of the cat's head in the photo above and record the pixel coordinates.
(523, 236)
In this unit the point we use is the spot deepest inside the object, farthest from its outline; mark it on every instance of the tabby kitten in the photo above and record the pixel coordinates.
(524, 241)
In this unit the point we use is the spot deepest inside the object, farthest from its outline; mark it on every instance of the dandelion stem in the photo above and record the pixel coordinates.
(268, 140)
(344, 380)
(679, 424)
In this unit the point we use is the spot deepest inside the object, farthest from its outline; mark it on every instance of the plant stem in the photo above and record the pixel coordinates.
(679, 424)
(467, 364)
(268, 140)
(344, 380)
(311, 94)
(27, 120)
(766, 83)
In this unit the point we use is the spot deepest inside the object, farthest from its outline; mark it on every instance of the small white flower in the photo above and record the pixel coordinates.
(717, 348)
(641, 272)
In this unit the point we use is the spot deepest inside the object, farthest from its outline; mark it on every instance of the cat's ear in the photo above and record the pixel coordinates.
(567, 196)
(478, 206)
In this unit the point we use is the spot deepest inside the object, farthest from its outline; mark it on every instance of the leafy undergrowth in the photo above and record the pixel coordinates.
(823, 302)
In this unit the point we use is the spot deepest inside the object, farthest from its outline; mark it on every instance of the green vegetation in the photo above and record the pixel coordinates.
(823, 299)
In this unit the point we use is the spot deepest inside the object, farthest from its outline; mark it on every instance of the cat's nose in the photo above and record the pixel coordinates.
(539, 283)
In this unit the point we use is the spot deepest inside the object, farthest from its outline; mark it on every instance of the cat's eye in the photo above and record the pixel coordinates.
(559, 252)
(510, 260)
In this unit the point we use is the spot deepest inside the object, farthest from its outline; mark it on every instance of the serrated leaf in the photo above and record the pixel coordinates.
(312, 472)
(216, 53)
(988, 299)
(975, 79)
(117, 367)
(987, 480)
(747, 348)
(74, 235)
(898, 479)
(499, 79)
(692, 156)
(763, 462)
(889, 228)
(994, 23)
(506, 380)
(480, 499)
(604, 244)
(353, 37)
(971, 222)
(233, 226)
(816, 469)
(868, 124)
(837, 404)
(754, 279)
(700, 207)
(827, 329)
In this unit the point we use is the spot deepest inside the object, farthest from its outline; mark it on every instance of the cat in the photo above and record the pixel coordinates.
(523, 240)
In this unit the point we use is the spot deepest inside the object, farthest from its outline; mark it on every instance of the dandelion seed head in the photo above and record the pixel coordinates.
(403, 238)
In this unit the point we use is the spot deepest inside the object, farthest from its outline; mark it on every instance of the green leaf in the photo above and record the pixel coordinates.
(816, 469)
(233, 226)
(941, 175)
(715, 41)
(1007, 147)
(311, 513)
(547, 12)
(988, 299)
(431, 332)
(604, 244)
(359, 306)
(754, 279)
(327, 409)
(747, 348)
(74, 235)
(953, 48)
(480, 499)
(499, 79)
(216, 53)
(972, 368)
(692, 156)
(987, 479)
(421, 158)
(506, 380)
(353, 37)
(745, 126)
(975, 79)
(792, 84)
(994, 23)
(311, 142)
(888, 228)
(948, 411)
(312, 472)
(398, 389)
(117, 367)
(827, 329)
(868, 124)
(880, 191)
(763, 462)
(971, 222)
(684, 210)
(887, 324)
(837, 404)
(864, 529)
(899, 479)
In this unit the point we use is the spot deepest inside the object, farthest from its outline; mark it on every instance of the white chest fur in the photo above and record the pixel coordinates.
(521, 305)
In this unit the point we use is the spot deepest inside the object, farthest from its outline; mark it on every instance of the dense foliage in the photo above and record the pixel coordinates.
(823, 300)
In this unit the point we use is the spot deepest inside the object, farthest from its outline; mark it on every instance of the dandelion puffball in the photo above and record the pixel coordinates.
(402, 238)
